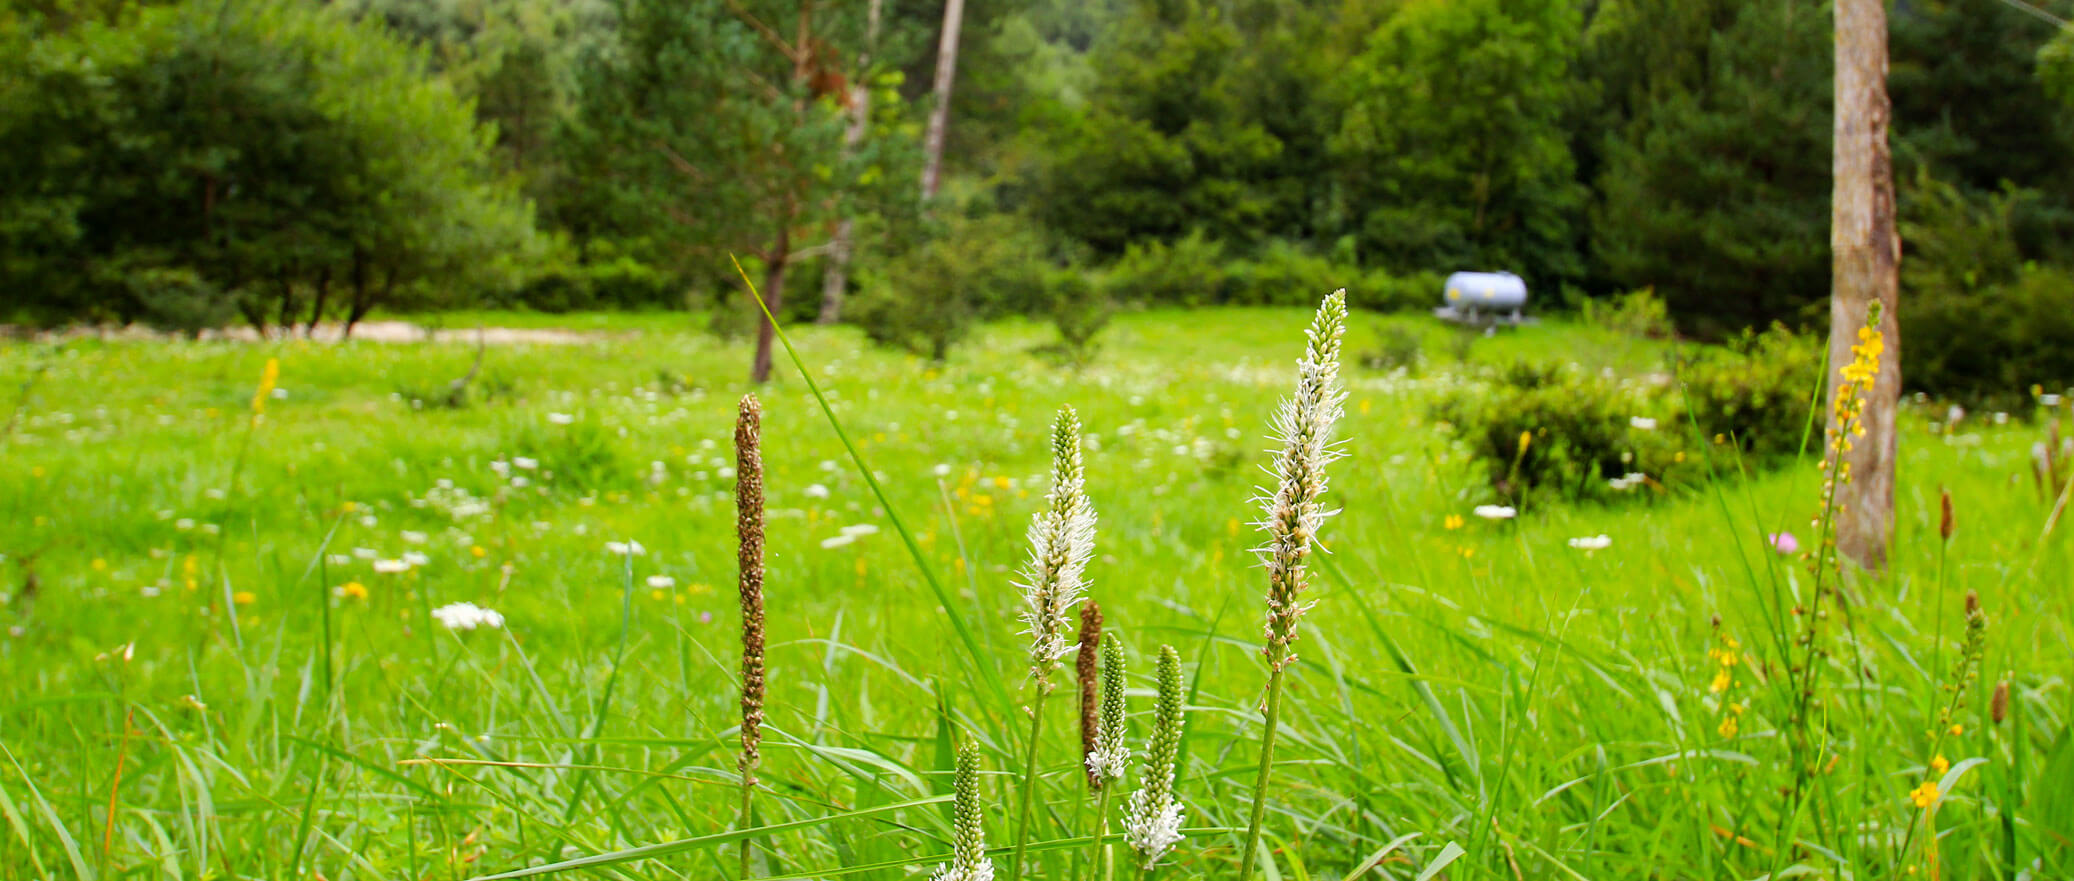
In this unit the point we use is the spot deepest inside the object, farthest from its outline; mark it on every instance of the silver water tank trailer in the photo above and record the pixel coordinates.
(1486, 291)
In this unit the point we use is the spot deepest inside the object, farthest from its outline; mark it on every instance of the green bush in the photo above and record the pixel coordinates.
(620, 282)
(1589, 429)
(1285, 275)
(1638, 313)
(1978, 323)
(1396, 348)
(1991, 344)
(1188, 272)
(1760, 395)
(1080, 309)
(927, 299)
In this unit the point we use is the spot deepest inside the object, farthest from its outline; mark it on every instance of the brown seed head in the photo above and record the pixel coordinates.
(1945, 523)
(1972, 604)
(1998, 706)
(749, 561)
(1084, 669)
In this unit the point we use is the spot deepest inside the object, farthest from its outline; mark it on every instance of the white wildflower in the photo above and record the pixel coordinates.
(835, 541)
(661, 582)
(1592, 543)
(1496, 512)
(861, 529)
(625, 548)
(413, 538)
(391, 567)
(467, 616)
(525, 463)
(1303, 428)
(1062, 539)
(415, 558)
(560, 418)
(816, 491)
(1641, 423)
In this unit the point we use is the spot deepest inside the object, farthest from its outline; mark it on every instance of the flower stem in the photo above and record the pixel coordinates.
(748, 789)
(1099, 851)
(1022, 825)
(1267, 762)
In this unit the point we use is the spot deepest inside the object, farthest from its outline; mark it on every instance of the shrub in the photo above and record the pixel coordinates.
(1582, 433)
(927, 299)
(1379, 291)
(1188, 272)
(1639, 313)
(1588, 429)
(1978, 323)
(620, 282)
(1080, 309)
(1397, 347)
(1286, 275)
(1760, 395)
(1991, 344)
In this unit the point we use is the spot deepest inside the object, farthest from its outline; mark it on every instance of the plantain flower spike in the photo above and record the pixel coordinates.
(1062, 539)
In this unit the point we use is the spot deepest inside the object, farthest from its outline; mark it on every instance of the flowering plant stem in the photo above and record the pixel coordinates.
(1099, 852)
(1022, 823)
(1267, 762)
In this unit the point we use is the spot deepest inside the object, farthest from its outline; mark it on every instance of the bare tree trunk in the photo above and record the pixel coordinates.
(940, 115)
(773, 298)
(835, 282)
(1865, 266)
(309, 330)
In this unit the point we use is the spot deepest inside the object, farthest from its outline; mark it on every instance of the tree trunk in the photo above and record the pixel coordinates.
(309, 331)
(1865, 265)
(940, 115)
(835, 282)
(773, 298)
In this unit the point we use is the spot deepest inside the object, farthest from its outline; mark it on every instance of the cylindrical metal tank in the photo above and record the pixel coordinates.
(1486, 290)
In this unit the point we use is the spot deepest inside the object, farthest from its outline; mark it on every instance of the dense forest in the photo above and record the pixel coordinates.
(282, 162)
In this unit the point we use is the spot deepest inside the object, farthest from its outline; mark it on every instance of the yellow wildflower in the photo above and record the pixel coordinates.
(478, 551)
(1957, 729)
(267, 377)
(1728, 726)
(1925, 795)
(1453, 521)
(353, 590)
(1940, 764)
(244, 598)
(1722, 680)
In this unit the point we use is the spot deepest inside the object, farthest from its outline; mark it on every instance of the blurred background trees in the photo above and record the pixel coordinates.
(269, 162)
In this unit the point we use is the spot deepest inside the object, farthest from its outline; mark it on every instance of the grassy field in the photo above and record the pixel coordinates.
(206, 676)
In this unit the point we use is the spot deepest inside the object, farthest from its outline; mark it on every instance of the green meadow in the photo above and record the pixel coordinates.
(219, 657)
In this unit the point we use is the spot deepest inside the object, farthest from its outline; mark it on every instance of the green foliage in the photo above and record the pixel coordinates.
(1758, 395)
(928, 298)
(262, 154)
(1452, 143)
(1638, 313)
(1397, 348)
(1080, 310)
(1982, 324)
(1190, 271)
(1590, 428)
(1581, 431)
(1716, 191)
(1169, 144)
(617, 282)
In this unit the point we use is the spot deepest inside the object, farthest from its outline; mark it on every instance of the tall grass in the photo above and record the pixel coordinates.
(1475, 702)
